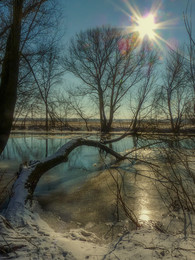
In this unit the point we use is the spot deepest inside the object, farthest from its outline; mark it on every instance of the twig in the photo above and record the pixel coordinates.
(115, 246)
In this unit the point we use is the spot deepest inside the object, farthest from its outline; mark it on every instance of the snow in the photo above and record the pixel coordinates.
(16, 208)
(17, 205)
(25, 235)
(36, 240)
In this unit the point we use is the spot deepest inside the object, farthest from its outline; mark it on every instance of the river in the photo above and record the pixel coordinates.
(85, 190)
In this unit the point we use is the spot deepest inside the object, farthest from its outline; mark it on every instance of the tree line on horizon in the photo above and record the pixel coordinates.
(114, 72)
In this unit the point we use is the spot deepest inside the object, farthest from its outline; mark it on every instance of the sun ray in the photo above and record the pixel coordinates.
(134, 10)
(156, 7)
(167, 24)
(147, 25)
(163, 40)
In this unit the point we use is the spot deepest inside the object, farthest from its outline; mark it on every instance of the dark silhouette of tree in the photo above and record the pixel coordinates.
(108, 64)
(190, 60)
(30, 176)
(9, 74)
(25, 24)
(46, 74)
(140, 97)
(175, 93)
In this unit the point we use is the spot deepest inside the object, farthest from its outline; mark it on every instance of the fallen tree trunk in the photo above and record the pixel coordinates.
(29, 176)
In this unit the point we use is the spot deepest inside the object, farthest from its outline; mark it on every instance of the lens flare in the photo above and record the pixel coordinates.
(147, 25)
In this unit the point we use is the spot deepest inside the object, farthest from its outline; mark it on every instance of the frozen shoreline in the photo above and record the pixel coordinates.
(36, 240)
(119, 131)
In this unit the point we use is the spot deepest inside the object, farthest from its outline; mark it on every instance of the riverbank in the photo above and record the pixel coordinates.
(36, 240)
(43, 235)
(93, 126)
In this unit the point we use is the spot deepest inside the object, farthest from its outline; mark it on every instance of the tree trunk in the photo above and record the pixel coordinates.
(105, 127)
(9, 75)
(109, 125)
(134, 127)
(103, 120)
(46, 117)
(86, 124)
(170, 115)
(26, 183)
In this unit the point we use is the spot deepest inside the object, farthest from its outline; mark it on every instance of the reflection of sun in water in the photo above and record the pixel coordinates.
(144, 214)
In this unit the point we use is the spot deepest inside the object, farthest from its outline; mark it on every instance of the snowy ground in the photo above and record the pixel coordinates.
(36, 240)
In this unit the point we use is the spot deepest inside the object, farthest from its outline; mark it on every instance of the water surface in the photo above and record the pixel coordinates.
(83, 189)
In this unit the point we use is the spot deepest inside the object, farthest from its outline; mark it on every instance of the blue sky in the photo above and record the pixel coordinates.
(84, 14)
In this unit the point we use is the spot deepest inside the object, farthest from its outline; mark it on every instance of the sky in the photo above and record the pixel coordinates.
(81, 15)
(85, 14)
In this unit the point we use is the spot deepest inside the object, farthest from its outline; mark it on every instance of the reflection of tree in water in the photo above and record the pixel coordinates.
(14, 150)
(137, 185)
(46, 146)
(174, 179)
(82, 162)
(86, 158)
(124, 184)
(30, 147)
(173, 142)
(130, 183)
(52, 144)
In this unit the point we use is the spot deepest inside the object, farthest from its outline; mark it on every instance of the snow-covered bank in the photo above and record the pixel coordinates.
(36, 240)
(27, 234)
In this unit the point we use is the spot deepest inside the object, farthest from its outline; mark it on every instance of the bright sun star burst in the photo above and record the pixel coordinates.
(146, 26)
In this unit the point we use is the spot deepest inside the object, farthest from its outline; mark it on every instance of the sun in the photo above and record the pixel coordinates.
(146, 26)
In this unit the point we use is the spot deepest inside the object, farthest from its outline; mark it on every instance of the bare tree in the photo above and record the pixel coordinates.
(108, 64)
(140, 103)
(60, 109)
(190, 60)
(29, 179)
(175, 179)
(191, 44)
(174, 94)
(24, 22)
(9, 74)
(81, 106)
(47, 74)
